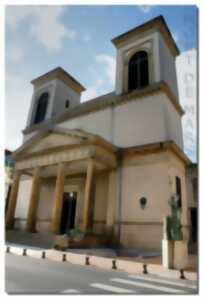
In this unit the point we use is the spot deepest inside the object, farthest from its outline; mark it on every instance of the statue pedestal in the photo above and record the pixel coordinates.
(180, 257)
(174, 254)
(167, 253)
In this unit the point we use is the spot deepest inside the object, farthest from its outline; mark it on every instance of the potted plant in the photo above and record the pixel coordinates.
(76, 234)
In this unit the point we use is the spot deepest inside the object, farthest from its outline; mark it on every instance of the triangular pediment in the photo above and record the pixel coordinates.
(52, 139)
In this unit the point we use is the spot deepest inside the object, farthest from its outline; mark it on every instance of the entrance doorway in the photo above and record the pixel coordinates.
(68, 212)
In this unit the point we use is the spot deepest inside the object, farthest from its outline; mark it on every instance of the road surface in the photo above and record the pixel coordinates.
(26, 275)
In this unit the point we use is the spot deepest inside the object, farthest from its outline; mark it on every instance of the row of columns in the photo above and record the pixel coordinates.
(58, 199)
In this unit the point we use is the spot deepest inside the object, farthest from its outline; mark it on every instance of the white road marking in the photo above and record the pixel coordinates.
(147, 285)
(192, 286)
(111, 288)
(70, 291)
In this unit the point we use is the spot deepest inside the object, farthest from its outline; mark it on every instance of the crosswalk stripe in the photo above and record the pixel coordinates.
(164, 281)
(69, 291)
(147, 285)
(111, 288)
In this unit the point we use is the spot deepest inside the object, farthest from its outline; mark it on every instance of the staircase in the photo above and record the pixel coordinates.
(35, 240)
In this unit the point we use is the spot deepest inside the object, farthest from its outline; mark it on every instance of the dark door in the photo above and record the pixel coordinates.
(194, 230)
(68, 212)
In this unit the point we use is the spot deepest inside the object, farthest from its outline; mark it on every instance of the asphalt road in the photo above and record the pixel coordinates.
(26, 275)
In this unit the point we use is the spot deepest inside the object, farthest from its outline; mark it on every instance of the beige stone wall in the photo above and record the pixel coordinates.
(142, 236)
(153, 177)
(125, 124)
(145, 177)
(46, 201)
(167, 66)
(131, 128)
(101, 198)
(97, 123)
(173, 123)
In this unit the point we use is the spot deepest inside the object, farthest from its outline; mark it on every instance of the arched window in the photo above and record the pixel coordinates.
(138, 73)
(41, 108)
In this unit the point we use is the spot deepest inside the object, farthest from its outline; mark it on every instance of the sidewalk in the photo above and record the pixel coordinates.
(129, 260)
(192, 265)
(128, 265)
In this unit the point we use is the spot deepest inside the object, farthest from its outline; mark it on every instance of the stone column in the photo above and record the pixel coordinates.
(10, 214)
(88, 196)
(58, 199)
(33, 204)
(111, 203)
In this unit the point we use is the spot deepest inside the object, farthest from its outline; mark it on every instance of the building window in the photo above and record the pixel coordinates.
(41, 108)
(138, 71)
(178, 191)
(67, 103)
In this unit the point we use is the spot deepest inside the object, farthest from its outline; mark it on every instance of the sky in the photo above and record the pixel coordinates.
(77, 38)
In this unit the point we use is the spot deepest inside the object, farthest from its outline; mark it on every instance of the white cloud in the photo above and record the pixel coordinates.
(91, 93)
(109, 65)
(145, 8)
(44, 24)
(18, 99)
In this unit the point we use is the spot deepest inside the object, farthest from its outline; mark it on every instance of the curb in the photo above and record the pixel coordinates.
(102, 262)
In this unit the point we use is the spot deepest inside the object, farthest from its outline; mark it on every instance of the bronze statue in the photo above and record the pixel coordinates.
(172, 224)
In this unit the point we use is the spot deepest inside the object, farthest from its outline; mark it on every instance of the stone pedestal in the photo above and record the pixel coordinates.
(167, 253)
(180, 257)
(174, 254)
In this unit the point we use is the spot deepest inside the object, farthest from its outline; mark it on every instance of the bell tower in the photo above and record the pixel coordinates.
(146, 55)
(54, 93)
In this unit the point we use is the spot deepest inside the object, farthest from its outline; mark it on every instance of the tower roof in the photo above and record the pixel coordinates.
(158, 23)
(59, 73)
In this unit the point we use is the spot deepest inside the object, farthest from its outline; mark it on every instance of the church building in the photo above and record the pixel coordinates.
(109, 165)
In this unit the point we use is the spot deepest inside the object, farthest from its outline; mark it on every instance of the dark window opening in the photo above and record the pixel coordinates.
(41, 108)
(67, 104)
(138, 71)
(178, 191)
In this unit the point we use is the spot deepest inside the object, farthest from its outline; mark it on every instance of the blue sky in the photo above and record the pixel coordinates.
(77, 38)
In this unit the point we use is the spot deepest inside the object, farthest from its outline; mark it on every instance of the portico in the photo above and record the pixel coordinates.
(83, 160)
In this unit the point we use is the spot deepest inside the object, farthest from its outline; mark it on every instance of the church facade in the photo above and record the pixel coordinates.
(111, 164)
